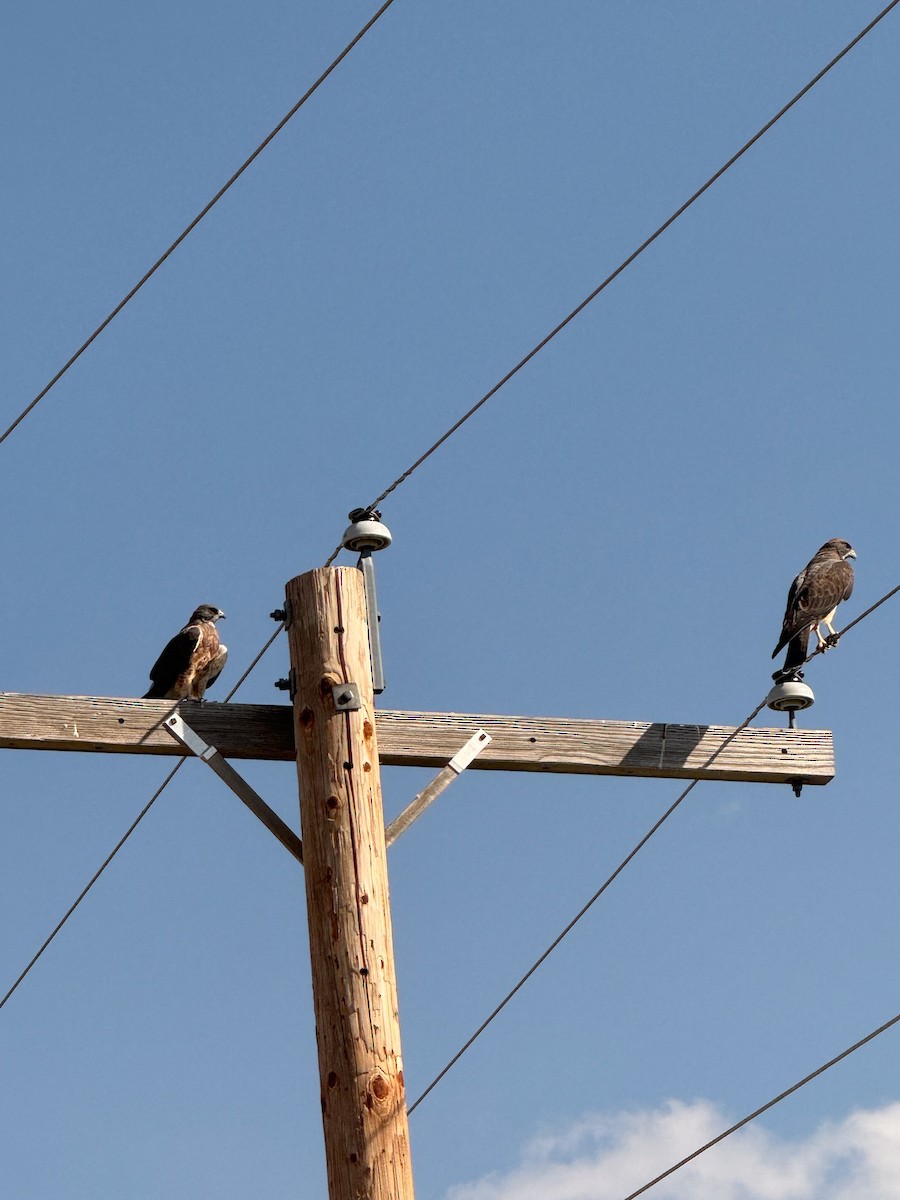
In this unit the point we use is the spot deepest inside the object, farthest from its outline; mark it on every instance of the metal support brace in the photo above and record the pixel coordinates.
(368, 572)
(443, 779)
(189, 738)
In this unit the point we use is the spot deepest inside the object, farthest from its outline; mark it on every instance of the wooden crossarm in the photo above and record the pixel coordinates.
(550, 744)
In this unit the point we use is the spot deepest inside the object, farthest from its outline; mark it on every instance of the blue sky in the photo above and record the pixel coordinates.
(613, 536)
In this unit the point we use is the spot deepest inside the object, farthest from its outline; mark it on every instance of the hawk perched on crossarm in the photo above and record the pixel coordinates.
(824, 582)
(192, 661)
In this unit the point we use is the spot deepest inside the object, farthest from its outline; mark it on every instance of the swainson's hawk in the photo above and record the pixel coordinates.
(192, 661)
(824, 582)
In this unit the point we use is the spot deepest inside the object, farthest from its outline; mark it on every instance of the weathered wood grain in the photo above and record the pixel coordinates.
(112, 725)
(351, 948)
(551, 744)
(636, 748)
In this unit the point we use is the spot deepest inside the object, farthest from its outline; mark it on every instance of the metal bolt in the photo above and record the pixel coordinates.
(283, 685)
(278, 614)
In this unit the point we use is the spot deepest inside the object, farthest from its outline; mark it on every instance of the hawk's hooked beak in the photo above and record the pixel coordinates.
(222, 615)
(850, 554)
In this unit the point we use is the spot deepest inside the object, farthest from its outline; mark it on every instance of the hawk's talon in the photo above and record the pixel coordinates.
(788, 675)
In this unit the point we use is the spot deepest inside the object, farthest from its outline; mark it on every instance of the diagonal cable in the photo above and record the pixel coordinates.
(765, 1107)
(622, 865)
(127, 834)
(196, 221)
(626, 263)
(831, 642)
(596, 896)
(112, 854)
(785, 674)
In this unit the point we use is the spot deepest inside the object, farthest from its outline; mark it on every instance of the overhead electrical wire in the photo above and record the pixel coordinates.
(822, 647)
(621, 867)
(624, 264)
(765, 1107)
(571, 925)
(830, 642)
(78, 899)
(196, 221)
(402, 478)
(127, 834)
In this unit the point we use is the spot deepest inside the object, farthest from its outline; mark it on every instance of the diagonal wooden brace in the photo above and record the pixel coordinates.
(210, 755)
(443, 779)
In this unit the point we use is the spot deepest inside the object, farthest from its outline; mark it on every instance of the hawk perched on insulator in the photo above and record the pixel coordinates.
(824, 582)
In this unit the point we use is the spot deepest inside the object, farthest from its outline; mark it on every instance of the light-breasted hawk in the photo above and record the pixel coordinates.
(192, 661)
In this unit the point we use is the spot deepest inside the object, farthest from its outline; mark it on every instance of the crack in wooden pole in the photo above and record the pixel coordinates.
(354, 988)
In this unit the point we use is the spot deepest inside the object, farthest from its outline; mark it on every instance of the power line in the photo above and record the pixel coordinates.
(128, 832)
(621, 867)
(571, 925)
(112, 854)
(765, 1107)
(196, 221)
(624, 264)
(254, 663)
(829, 643)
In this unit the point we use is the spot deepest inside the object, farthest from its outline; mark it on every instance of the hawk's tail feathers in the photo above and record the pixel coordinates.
(797, 649)
(789, 636)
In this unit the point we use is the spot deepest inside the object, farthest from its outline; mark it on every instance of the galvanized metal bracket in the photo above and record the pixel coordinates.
(346, 697)
(442, 780)
(367, 566)
(192, 741)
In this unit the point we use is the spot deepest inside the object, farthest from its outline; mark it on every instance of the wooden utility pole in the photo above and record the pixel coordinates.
(337, 740)
(354, 987)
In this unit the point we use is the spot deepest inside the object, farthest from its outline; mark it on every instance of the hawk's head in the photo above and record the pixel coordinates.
(839, 548)
(207, 612)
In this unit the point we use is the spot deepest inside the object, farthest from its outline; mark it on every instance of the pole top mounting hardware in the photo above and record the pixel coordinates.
(366, 531)
(346, 697)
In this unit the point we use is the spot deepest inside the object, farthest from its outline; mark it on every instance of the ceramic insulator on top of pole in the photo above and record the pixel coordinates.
(365, 535)
(790, 695)
(367, 531)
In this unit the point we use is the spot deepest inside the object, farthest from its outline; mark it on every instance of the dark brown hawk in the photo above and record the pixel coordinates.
(824, 582)
(192, 661)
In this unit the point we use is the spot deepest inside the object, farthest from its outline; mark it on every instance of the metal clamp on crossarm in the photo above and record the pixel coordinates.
(190, 739)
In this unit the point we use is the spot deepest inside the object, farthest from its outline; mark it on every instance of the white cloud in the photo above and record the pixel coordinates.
(606, 1157)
